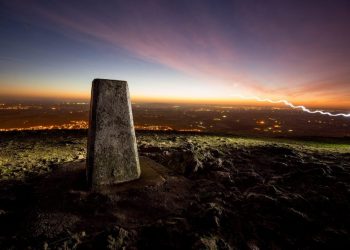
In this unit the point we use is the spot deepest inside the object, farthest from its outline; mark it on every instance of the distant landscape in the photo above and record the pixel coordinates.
(216, 119)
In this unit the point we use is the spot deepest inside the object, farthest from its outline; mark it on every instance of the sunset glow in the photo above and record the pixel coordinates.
(193, 52)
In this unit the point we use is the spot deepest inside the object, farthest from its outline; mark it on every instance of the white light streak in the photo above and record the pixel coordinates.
(289, 104)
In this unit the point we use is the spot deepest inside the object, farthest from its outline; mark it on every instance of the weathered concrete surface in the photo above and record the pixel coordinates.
(152, 175)
(112, 150)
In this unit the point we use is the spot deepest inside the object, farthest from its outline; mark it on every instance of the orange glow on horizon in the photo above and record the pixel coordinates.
(24, 93)
(317, 103)
(85, 95)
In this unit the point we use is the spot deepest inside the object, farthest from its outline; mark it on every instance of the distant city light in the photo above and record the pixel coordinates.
(289, 104)
(153, 117)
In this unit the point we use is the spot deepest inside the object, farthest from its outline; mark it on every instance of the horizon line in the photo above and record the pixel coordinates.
(157, 100)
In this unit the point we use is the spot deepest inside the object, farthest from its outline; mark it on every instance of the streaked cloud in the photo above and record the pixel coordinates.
(271, 49)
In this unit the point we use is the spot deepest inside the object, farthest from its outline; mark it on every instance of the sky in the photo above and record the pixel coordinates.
(189, 51)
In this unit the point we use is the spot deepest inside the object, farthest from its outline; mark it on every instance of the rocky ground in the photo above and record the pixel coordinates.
(219, 193)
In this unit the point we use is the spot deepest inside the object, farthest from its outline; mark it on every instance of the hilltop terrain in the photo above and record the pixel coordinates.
(219, 193)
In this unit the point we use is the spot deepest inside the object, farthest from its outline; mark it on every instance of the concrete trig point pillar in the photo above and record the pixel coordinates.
(112, 150)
